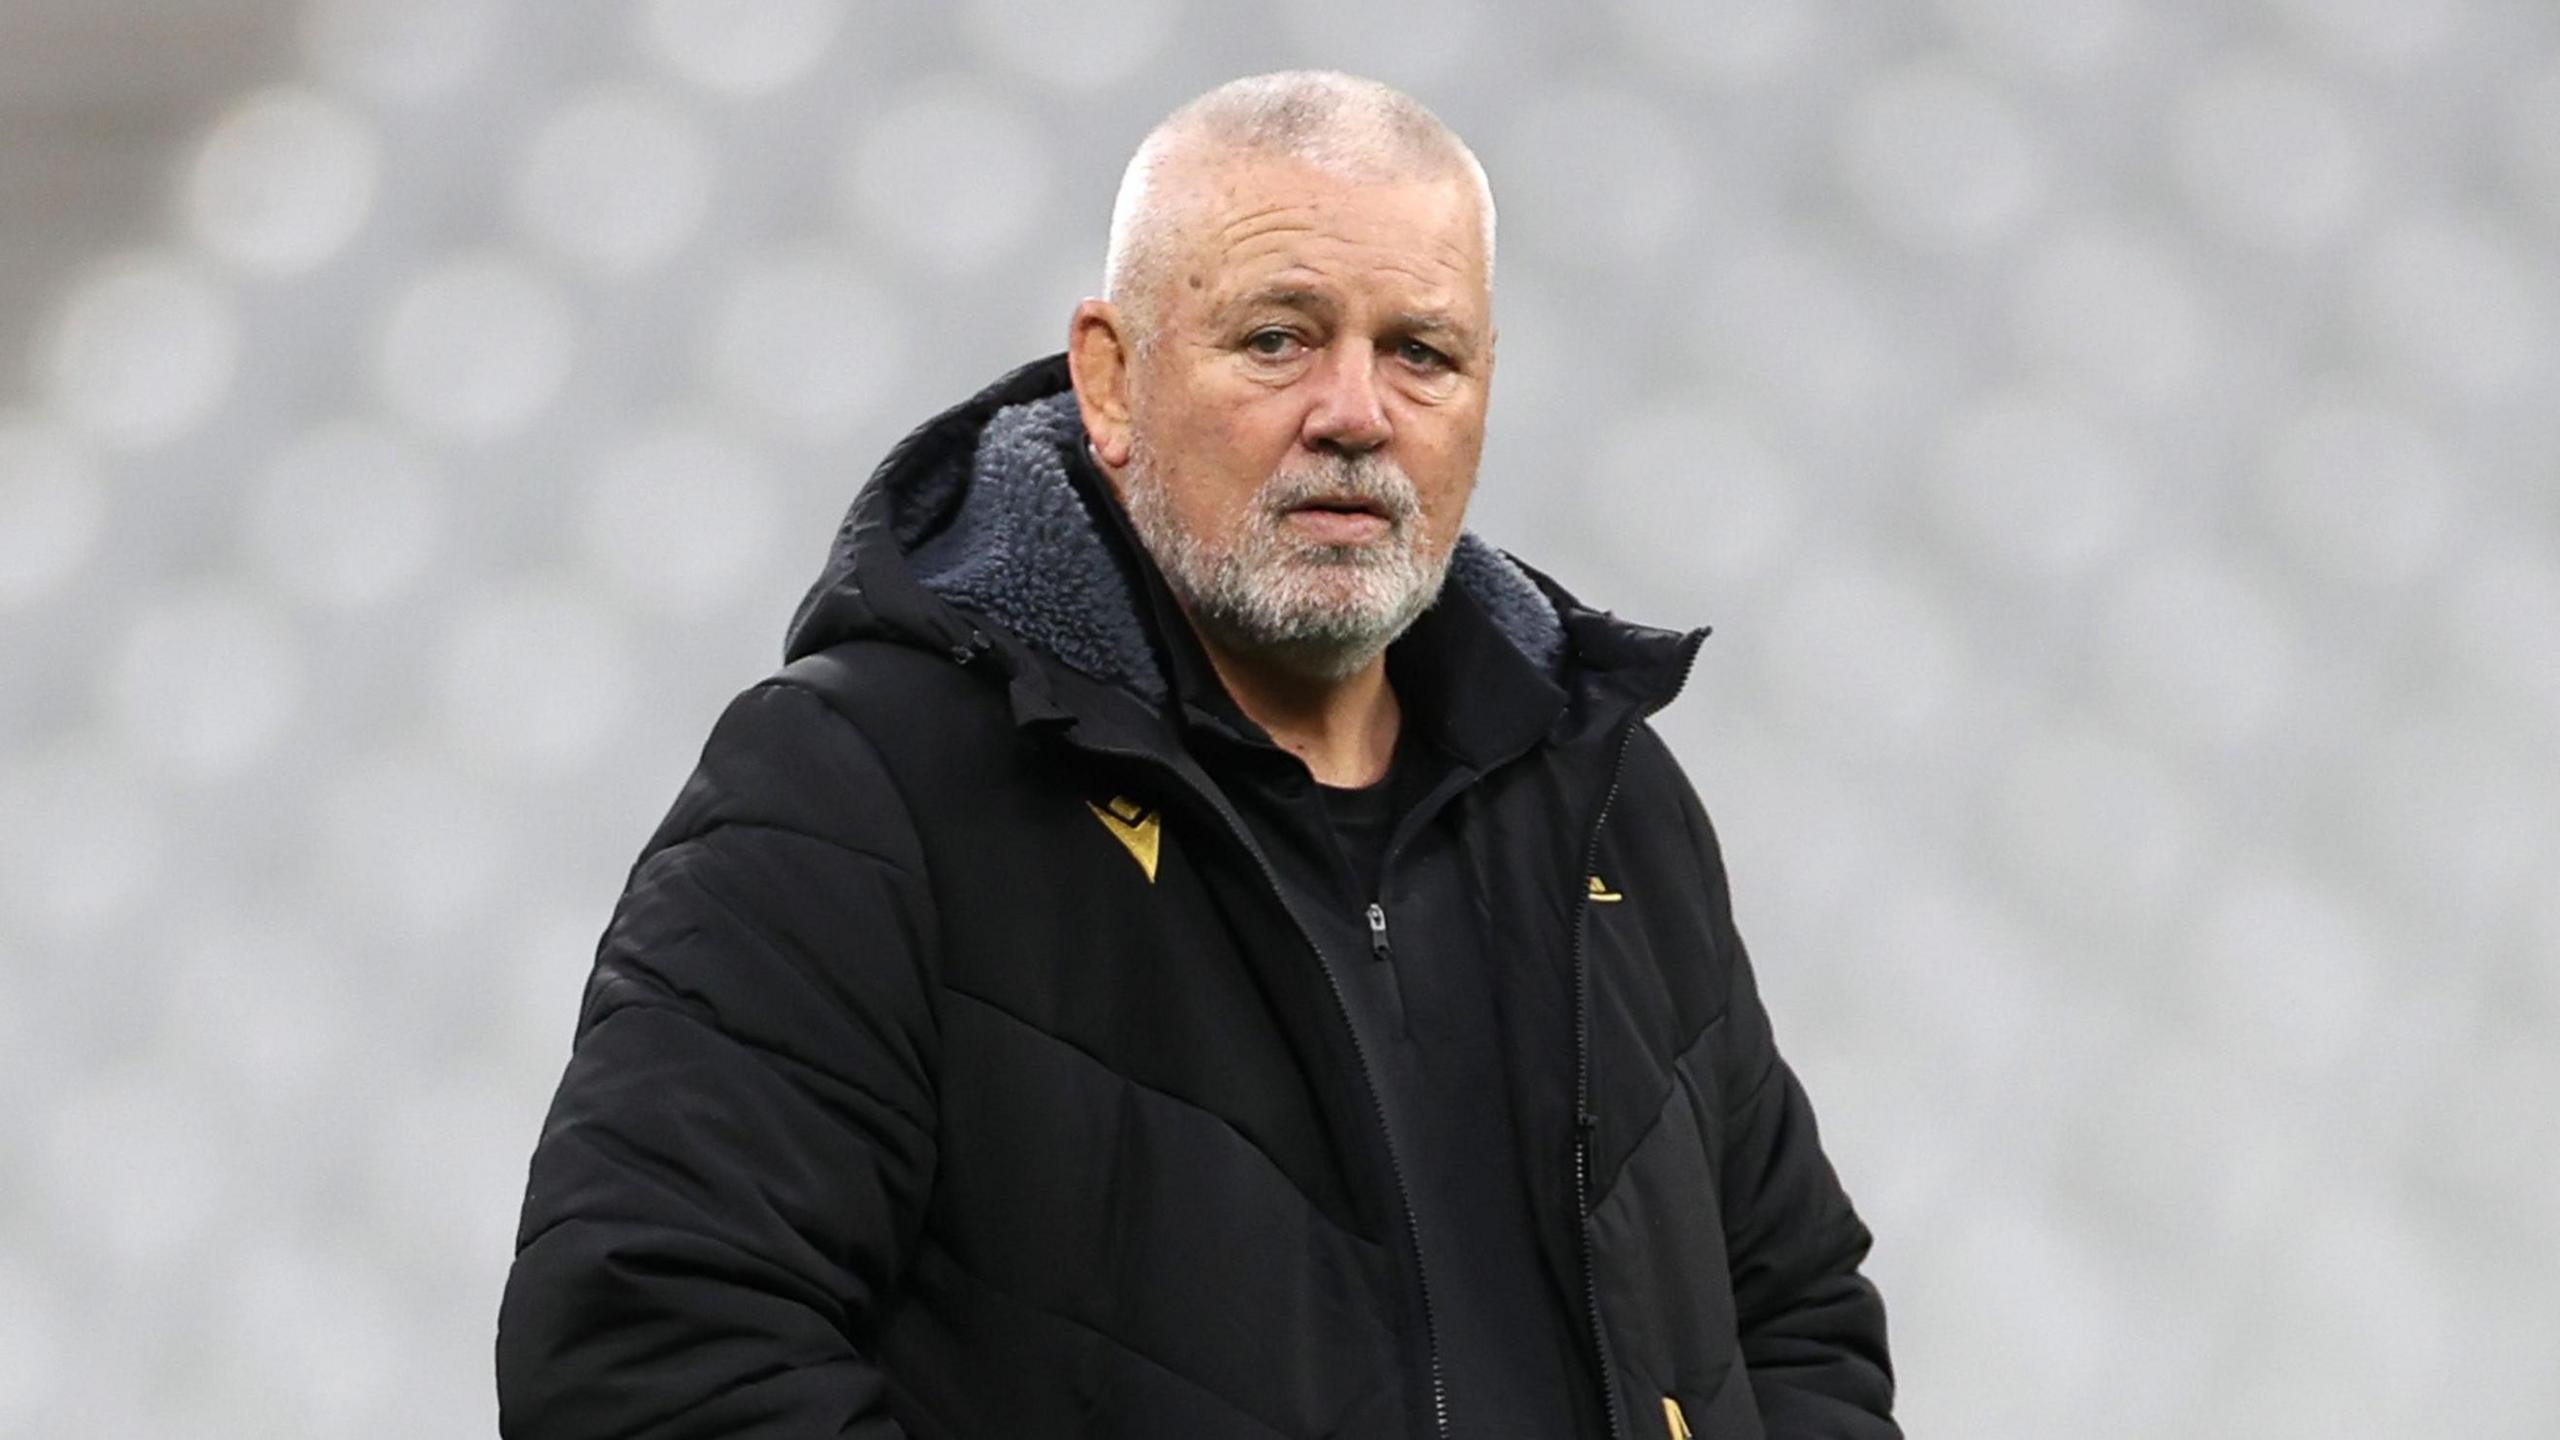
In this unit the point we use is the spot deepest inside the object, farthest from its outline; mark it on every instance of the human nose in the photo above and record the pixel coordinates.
(1349, 413)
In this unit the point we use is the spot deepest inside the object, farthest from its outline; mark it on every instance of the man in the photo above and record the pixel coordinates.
(1192, 944)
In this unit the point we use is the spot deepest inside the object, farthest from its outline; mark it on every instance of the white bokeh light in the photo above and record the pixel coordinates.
(2360, 493)
(1089, 47)
(2020, 1278)
(2289, 974)
(2502, 618)
(1696, 493)
(283, 180)
(53, 508)
(33, 1366)
(407, 845)
(84, 844)
(2031, 485)
(2452, 819)
(535, 678)
(2533, 137)
(441, 1164)
(2542, 935)
(615, 180)
(2175, 1135)
(1814, 841)
(2358, 1269)
(2195, 652)
(805, 340)
(262, 1008)
(134, 1168)
(1734, 43)
(950, 175)
(1797, 321)
(2270, 156)
(1612, 169)
(543, 966)
(2096, 832)
(395, 50)
(2062, 39)
(2116, 316)
(1411, 45)
(1918, 932)
(142, 351)
(327, 1319)
(681, 517)
(2453, 302)
(205, 681)
(2384, 34)
(1939, 159)
(1864, 662)
(476, 347)
(740, 48)
(346, 515)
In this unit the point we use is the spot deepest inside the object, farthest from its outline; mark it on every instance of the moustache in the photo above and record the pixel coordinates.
(1371, 479)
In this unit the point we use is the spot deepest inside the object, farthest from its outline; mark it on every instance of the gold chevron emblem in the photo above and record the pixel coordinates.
(1601, 894)
(1671, 1416)
(1138, 829)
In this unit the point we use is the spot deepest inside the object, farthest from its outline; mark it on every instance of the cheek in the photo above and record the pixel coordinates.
(1444, 466)
(1199, 445)
(1242, 448)
(1258, 430)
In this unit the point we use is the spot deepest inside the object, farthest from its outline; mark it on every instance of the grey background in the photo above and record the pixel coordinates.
(2114, 443)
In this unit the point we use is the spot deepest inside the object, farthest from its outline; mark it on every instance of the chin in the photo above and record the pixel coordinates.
(1325, 642)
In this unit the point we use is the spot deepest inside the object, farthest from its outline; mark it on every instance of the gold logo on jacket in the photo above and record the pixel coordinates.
(1601, 894)
(1674, 1420)
(1139, 830)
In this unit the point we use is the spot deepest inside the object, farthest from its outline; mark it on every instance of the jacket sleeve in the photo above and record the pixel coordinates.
(1812, 1326)
(736, 1160)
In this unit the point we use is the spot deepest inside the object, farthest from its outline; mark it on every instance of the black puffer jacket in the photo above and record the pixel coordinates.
(953, 1066)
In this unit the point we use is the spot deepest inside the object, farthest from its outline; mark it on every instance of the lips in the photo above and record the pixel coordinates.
(1340, 520)
(1340, 505)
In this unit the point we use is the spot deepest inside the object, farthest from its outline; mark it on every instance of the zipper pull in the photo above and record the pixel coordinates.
(1378, 932)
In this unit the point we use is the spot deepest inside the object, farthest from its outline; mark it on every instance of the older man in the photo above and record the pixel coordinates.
(1194, 944)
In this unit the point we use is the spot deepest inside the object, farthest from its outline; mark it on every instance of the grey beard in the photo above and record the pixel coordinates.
(1319, 611)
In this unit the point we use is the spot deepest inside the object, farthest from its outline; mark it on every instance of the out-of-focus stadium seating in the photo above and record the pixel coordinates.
(2118, 445)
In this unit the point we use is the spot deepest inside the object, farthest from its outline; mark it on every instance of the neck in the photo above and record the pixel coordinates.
(1343, 730)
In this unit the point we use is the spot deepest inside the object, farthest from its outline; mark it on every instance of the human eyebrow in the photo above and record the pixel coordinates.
(1280, 297)
(1440, 327)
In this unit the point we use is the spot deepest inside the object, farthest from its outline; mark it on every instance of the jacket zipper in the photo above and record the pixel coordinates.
(1586, 1125)
(1359, 1054)
(1377, 1107)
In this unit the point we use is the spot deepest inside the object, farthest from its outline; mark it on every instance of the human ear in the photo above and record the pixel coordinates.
(1098, 362)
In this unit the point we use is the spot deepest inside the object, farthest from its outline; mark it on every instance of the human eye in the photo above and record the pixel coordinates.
(1422, 356)
(1272, 342)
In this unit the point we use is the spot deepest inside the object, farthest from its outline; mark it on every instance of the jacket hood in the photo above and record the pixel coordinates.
(976, 515)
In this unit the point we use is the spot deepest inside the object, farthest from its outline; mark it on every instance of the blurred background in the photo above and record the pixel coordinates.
(2114, 441)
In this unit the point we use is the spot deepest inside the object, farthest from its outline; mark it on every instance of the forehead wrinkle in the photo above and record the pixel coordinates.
(1266, 218)
(1326, 207)
(1251, 244)
(1436, 276)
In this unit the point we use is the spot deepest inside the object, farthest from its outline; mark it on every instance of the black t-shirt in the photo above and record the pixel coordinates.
(1363, 818)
